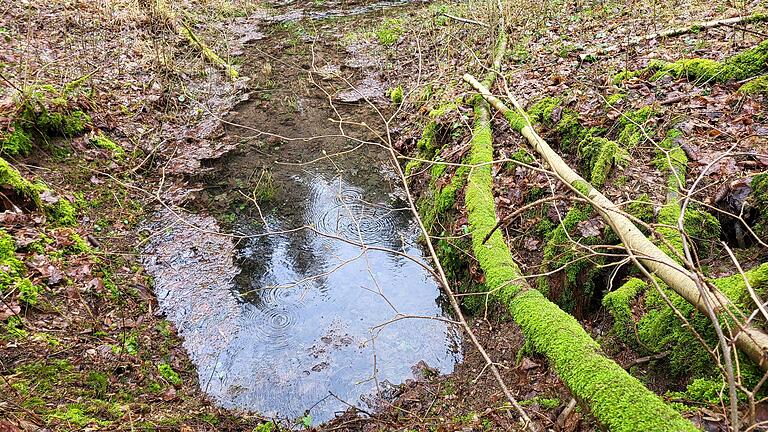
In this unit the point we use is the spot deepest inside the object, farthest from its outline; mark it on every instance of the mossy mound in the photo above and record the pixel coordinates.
(744, 65)
(735, 288)
(41, 112)
(571, 285)
(756, 86)
(632, 125)
(19, 190)
(617, 303)
(27, 196)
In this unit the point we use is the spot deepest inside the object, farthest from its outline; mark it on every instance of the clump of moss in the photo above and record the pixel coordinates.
(265, 190)
(389, 31)
(703, 228)
(564, 121)
(626, 75)
(411, 167)
(641, 208)
(396, 95)
(736, 290)
(102, 142)
(631, 124)
(15, 140)
(170, 375)
(758, 85)
(435, 131)
(28, 292)
(741, 66)
(11, 179)
(572, 284)
(617, 303)
(441, 198)
(43, 111)
(61, 213)
(11, 268)
(600, 155)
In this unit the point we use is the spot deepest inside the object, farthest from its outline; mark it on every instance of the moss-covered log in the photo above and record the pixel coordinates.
(759, 85)
(747, 64)
(617, 400)
(750, 340)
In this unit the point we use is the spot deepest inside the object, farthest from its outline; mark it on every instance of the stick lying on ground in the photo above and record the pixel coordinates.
(728, 22)
(750, 340)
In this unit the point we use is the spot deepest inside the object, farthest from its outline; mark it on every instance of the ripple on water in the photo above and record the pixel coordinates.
(339, 210)
(272, 324)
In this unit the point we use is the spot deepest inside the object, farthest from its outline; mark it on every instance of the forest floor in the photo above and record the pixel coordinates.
(82, 346)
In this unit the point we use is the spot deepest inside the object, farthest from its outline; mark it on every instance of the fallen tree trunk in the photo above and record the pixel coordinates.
(729, 22)
(750, 340)
(617, 400)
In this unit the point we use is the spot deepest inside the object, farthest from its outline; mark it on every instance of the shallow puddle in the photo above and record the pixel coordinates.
(287, 321)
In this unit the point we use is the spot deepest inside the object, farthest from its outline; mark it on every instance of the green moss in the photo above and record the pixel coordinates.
(396, 95)
(703, 228)
(28, 292)
(758, 85)
(265, 427)
(66, 124)
(11, 179)
(631, 126)
(641, 208)
(16, 141)
(625, 76)
(76, 415)
(99, 383)
(441, 199)
(572, 283)
(617, 400)
(389, 31)
(61, 213)
(615, 99)
(705, 391)
(744, 65)
(14, 328)
(667, 229)
(736, 290)
(170, 375)
(617, 303)
(101, 141)
(544, 403)
(11, 268)
(42, 111)
(411, 167)
(599, 156)
(427, 144)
